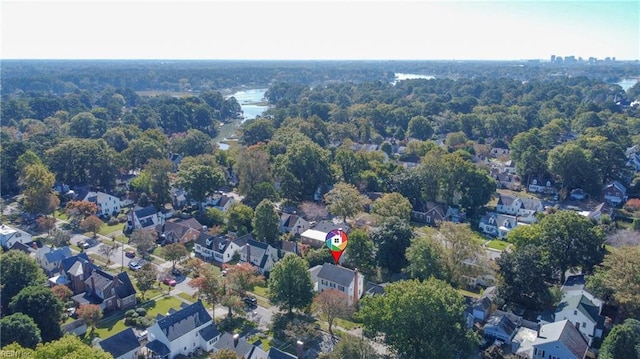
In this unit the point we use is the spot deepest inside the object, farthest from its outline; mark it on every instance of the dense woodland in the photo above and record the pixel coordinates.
(85, 123)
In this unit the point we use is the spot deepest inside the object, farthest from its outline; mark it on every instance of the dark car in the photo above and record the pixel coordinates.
(250, 301)
(176, 273)
(130, 254)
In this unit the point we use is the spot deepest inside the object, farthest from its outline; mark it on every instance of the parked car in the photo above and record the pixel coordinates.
(251, 301)
(169, 281)
(224, 272)
(176, 272)
(134, 265)
(130, 254)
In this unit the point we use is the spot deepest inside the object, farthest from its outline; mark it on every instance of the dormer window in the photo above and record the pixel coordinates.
(492, 221)
(548, 183)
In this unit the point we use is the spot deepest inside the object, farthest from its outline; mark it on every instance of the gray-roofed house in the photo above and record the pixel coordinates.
(275, 353)
(234, 343)
(107, 204)
(220, 248)
(260, 254)
(292, 223)
(182, 332)
(144, 218)
(113, 292)
(50, 258)
(524, 208)
(10, 235)
(558, 340)
(122, 345)
(583, 311)
(615, 193)
(329, 276)
(497, 225)
(429, 213)
(499, 326)
(180, 231)
(482, 309)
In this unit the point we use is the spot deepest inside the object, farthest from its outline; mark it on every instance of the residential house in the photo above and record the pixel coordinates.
(330, 276)
(633, 158)
(554, 341)
(430, 213)
(122, 345)
(455, 215)
(316, 236)
(91, 285)
(77, 327)
(175, 159)
(144, 218)
(178, 197)
(293, 247)
(234, 343)
(599, 210)
(180, 231)
(275, 353)
(108, 205)
(538, 185)
(49, 258)
(497, 224)
(615, 193)
(220, 248)
(481, 309)
(292, 223)
(523, 208)
(182, 332)
(577, 194)
(260, 254)
(583, 311)
(504, 179)
(500, 326)
(221, 202)
(10, 235)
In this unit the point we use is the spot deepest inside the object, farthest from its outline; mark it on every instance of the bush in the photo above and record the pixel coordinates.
(122, 219)
(129, 313)
(112, 221)
(141, 312)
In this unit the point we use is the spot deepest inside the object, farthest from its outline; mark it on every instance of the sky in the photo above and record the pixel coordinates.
(319, 30)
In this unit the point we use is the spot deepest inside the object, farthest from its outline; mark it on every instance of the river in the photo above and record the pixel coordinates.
(253, 104)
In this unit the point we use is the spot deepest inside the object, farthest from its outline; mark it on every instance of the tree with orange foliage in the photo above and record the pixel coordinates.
(92, 224)
(62, 291)
(243, 277)
(90, 314)
(332, 304)
(208, 285)
(79, 210)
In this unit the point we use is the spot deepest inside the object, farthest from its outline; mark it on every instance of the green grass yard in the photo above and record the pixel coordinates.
(498, 244)
(106, 229)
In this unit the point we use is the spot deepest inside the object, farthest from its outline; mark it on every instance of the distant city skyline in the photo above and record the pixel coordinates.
(320, 30)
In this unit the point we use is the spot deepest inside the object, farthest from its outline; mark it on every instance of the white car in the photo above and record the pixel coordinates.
(134, 265)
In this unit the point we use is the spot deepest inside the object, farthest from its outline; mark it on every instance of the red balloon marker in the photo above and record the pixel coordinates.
(336, 241)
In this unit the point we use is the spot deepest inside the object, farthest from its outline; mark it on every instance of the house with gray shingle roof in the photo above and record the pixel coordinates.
(330, 276)
(522, 207)
(234, 343)
(180, 231)
(122, 345)
(291, 222)
(144, 218)
(50, 258)
(583, 311)
(219, 248)
(108, 205)
(260, 254)
(182, 332)
(560, 340)
(497, 224)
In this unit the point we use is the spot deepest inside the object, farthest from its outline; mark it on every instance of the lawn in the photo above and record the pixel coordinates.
(261, 291)
(61, 215)
(162, 306)
(106, 229)
(468, 293)
(346, 324)
(107, 328)
(498, 244)
(122, 239)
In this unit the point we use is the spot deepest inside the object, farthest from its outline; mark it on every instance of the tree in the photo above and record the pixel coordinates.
(69, 346)
(47, 224)
(146, 277)
(318, 256)
(174, 252)
(303, 169)
(208, 286)
(414, 317)
(290, 283)
(90, 314)
(200, 180)
(91, 224)
(239, 218)
(259, 130)
(19, 328)
(459, 248)
(266, 222)
(618, 277)
(36, 182)
(62, 291)
(392, 204)
(252, 167)
(243, 277)
(154, 180)
(193, 143)
(419, 127)
(332, 304)
(43, 306)
(392, 238)
(572, 165)
(425, 259)
(352, 347)
(345, 200)
(78, 210)
(360, 251)
(106, 250)
(259, 192)
(623, 342)
(18, 271)
(523, 273)
(571, 240)
(224, 354)
(143, 240)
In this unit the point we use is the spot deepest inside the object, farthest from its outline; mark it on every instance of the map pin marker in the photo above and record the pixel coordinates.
(336, 241)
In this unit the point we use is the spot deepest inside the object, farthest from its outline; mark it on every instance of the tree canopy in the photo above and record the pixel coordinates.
(290, 284)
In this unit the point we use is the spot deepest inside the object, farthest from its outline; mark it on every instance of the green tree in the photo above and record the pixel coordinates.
(290, 283)
(224, 354)
(240, 218)
(392, 238)
(618, 277)
(352, 347)
(265, 223)
(19, 328)
(392, 204)
(303, 169)
(345, 200)
(360, 250)
(523, 273)
(260, 192)
(90, 314)
(420, 127)
(69, 346)
(208, 285)
(85, 125)
(573, 167)
(92, 224)
(414, 317)
(193, 143)
(252, 167)
(36, 182)
(425, 259)
(200, 181)
(174, 252)
(623, 342)
(144, 240)
(43, 306)
(146, 277)
(459, 248)
(18, 272)
(154, 180)
(256, 131)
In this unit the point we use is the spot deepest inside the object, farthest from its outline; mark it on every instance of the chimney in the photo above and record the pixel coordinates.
(93, 285)
(355, 286)
(248, 252)
(300, 349)
(236, 338)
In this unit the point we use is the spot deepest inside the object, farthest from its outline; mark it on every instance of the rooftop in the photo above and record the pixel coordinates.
(120, 343)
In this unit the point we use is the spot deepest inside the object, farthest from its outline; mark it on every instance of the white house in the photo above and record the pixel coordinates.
(221, 202)
(50, 258)
(556, 340)
(122, 345)
(524, 208)
(329, 276)
(144, 218)
(497, 224)
(9, 236)
(582, 310)
(541, 186)
(219, 248)
(615, 193)
(261, 255)
(107, 204)
(182, 332)
(292, 223)
(499, 326)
